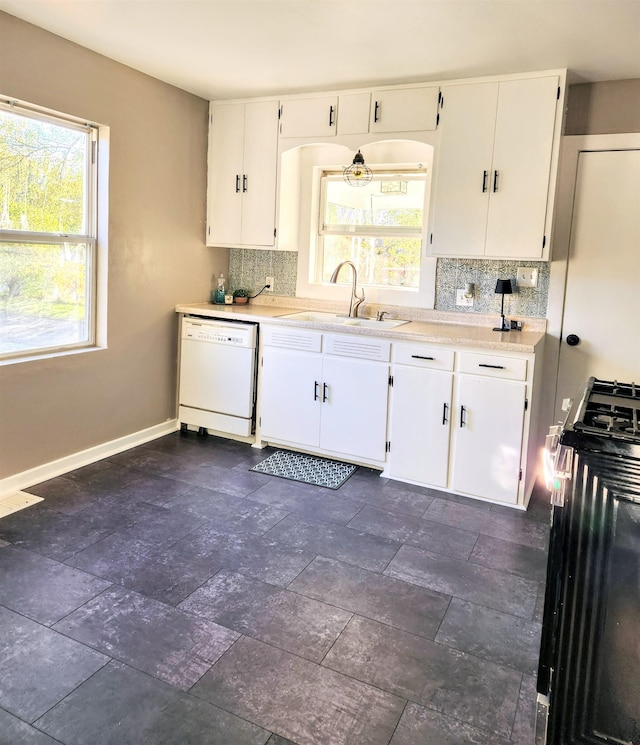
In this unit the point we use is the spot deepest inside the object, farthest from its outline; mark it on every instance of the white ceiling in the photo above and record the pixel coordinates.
(240, 48)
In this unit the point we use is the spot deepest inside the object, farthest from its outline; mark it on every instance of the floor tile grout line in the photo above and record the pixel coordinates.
(404, 708)
(59, 701)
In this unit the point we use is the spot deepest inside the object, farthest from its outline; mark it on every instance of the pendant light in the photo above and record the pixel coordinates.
(358, 174)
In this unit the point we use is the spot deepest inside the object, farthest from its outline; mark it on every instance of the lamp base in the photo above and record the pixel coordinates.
(504, 326)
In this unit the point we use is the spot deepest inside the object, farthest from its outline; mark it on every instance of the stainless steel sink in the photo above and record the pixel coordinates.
(316, 316)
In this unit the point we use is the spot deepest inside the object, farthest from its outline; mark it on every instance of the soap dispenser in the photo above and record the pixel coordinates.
(219, 293)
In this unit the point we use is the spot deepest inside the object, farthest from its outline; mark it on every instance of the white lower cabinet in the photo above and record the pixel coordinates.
(459, 421)
(487, 441)
(291, 396)
(420, 416)
(329, 402)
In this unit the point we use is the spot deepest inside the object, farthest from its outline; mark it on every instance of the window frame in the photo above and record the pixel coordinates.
(91, 209)
(399, 172)
(299, 210)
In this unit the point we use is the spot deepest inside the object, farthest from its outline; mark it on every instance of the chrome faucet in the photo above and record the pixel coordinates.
(356, 300)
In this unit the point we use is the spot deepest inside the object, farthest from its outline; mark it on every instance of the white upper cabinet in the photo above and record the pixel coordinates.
(404, 109)
(309, 117)
(242, 167)
(353, 113)
(494, 169)
(409, 109)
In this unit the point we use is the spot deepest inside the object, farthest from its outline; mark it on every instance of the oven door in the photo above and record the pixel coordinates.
(589, 671)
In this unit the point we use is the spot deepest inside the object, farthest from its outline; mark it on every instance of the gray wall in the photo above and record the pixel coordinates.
(157, 258)
(611, 107)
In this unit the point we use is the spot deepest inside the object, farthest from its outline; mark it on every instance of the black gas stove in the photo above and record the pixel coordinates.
(608, 409)
(589, 672)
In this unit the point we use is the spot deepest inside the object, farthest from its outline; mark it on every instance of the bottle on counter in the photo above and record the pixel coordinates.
(218, 295)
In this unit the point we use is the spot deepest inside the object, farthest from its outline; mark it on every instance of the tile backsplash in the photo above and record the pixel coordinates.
(248, 268)
(453, 274)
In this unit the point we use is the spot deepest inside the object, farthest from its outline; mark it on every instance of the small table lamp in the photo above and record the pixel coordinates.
(503, 287)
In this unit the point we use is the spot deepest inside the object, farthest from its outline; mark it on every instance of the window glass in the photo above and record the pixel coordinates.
(47, 236)
(378, 227)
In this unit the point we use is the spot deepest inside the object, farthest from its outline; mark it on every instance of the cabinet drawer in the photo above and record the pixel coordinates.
(420, 356)
(362, 347)
(305, 341)
(491, 365)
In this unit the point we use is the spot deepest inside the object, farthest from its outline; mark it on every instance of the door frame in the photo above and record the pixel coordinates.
(571, 148)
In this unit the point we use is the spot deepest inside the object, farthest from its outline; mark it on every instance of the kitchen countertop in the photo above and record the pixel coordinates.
(457, 334)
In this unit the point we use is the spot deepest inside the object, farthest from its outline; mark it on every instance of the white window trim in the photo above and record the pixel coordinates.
(95, 220)
(309, 210)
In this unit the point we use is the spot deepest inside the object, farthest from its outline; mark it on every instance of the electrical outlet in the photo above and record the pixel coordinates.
(463, 299)
(527, 276)
(269, 281)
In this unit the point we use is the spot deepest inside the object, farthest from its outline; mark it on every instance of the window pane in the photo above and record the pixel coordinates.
(42, 296)
(43, 169)
(381, 261)
(386, 202)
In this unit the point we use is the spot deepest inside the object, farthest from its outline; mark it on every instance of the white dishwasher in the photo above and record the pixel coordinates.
(217, 375)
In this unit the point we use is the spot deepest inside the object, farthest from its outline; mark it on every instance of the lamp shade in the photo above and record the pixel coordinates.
(503, 287)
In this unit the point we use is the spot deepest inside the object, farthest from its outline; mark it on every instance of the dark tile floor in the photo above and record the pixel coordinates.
(168, 596)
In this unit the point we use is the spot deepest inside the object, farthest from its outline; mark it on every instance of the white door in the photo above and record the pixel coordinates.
(488, 426)
(601, 302)
(259, 173)
(404, 109)
(225, 169)
(309, 117)
(464, 169)
(420, 425)
(354, 408)
(290, 399)
(521, 165)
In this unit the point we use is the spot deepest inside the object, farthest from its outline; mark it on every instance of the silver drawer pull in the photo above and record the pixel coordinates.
(421, 357)
(493, 367)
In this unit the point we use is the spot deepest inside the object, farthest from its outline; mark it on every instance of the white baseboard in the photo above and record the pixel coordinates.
(50, 470)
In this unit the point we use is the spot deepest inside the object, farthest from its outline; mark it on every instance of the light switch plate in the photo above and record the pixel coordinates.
(527, 276)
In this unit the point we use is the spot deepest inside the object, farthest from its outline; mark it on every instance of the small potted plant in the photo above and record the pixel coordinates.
(241, 296)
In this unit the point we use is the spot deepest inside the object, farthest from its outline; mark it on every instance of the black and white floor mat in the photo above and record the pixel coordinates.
(306, 468)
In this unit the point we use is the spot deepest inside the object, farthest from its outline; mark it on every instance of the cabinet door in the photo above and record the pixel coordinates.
(259, 173)
(463, 179)
(290, 398)
(488, 438)
(420, 425)
(225, 169)
(353, 113)
(309, 117)
(354, 414)
(404, 109)
(521, 167)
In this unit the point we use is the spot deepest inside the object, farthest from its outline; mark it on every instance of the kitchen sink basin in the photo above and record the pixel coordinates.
(321, 317)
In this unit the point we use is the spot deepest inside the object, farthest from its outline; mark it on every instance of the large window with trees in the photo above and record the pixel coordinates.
(47, 232)
(377, 226)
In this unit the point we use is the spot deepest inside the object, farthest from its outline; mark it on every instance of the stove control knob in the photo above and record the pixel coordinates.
(573, 340)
